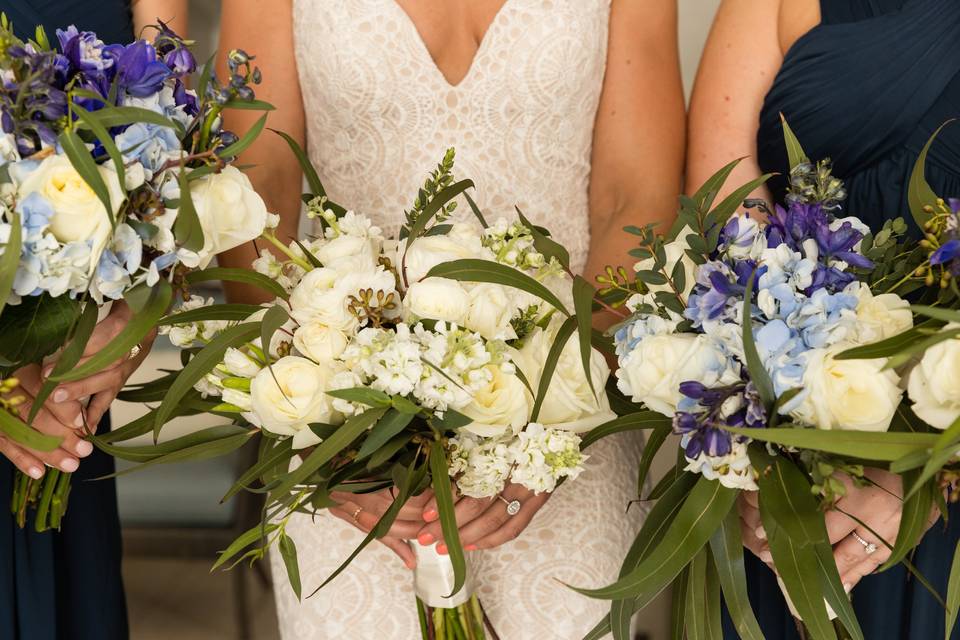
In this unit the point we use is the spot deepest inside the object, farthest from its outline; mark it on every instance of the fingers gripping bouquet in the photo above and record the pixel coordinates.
(448, 355)
(735, 340)
(114, 184)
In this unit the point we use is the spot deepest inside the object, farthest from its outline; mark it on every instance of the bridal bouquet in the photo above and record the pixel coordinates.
(448, 355)
(736, 336)
(114, 183)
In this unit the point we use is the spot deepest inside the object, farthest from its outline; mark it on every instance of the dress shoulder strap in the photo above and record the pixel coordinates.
(840, 11)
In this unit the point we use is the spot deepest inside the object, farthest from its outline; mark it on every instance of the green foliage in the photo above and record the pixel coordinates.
(10, 258)
(35, 328)
(438, 180)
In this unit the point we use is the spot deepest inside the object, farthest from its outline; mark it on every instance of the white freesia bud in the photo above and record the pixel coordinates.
(570, 403)
(879, 316)
(240, 364)
(231, 213)
(934, 384)
(437, 299)
(500, 407)
(856, 395)
(319, 342)
(290, 396)
(237, 398)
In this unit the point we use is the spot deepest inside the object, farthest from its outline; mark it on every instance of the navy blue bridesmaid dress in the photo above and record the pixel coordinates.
(867, 88)
(66, 585)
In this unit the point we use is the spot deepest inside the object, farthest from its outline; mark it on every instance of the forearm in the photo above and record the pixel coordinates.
(172, 12)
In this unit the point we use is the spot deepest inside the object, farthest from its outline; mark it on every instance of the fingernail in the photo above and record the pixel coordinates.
(35, 472)
(470, 547)
(47, 370)
(411, 565)
(442, 549)
(78, 421)
(60, 395)
(847, 587)
(430, 515)
(425, 539)
(760, 532)
(84, 448)
(69, 465)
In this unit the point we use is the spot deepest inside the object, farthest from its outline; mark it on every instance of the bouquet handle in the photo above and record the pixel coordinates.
(433, 579)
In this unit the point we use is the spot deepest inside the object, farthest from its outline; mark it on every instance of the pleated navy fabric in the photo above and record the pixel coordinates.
(867, 88)
(66, 585)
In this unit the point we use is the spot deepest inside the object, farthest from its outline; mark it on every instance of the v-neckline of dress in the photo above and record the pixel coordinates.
(488, 34)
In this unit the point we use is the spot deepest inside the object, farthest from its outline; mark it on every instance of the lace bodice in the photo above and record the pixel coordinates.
(380, 114)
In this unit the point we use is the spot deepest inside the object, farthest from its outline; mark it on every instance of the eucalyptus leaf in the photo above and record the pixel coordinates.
(755, 368)
(795, 153)
(953, 595)
(244, 276)
(439, 200)
(228, 312)
(546, 245)
(19, 432)
(92, 121)
(186, 227)
(866, 445)
(920, 195)
(87, 168)
(10, 259)
(36, 327)
(727, 547)
(255, 534)
(363, 395)
(550, 364)
(630, 422)
(246, 140)
(448, 518)
(391, 424)
(475, 270)
(583, 293)
(288, 552)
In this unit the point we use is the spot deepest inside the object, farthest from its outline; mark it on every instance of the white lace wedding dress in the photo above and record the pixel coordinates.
(380, 115)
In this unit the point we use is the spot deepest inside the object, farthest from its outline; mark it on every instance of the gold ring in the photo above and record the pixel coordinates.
(356, 514)
(134, 351)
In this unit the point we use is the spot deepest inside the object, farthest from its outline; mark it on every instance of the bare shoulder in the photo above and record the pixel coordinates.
(796, 18)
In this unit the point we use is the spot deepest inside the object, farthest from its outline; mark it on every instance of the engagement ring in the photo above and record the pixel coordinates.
(869, 547)
(513, 506)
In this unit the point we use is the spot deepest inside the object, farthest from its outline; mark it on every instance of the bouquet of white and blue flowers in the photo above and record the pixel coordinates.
(114, 184)
(459, 353)
(737, 342)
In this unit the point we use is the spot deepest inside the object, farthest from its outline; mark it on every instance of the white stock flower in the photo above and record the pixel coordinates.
(570, 402)
(732, 470)
(855, 395)
(879, 316)
(319, 342)
(934, 383)
(78, 214)
(542, 456)
(502, 406)
(231, 213)
(481, 466)
(437, 299)
(290, 396)
(652, 371)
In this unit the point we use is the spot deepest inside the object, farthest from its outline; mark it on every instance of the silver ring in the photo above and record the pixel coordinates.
(513, 506)
(134, 351)
(869, 547)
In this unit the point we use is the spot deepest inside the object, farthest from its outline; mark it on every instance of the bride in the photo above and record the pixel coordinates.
(571, 110)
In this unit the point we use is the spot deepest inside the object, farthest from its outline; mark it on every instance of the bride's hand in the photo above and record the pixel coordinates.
(364, 510)
(484, 523)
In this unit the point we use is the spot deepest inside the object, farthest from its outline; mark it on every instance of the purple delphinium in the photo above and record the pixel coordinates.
(174, 52)
(709, 410)
(793, 225)
(33, 105)
(948, 253)
(139, 72)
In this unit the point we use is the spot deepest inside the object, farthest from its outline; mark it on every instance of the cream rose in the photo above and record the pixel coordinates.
(934, 384)
(880, 317)
(652, 372)
(502, 405)
(347, 248)
(492, 306)
(290, 396)
(231, 213)
(319, 342)
(78, 214)
(855, 395)
(437, 299)
(570, 404)
(427, 252)
(317, 298)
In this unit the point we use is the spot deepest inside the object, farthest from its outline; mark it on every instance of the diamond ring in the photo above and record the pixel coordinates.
(356, 514)
(134, 351)
(513, 506)
(869, 547)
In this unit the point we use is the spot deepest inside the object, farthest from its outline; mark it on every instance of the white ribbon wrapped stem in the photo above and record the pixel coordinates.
(433, 578)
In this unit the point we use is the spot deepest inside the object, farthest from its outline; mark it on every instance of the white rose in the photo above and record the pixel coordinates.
(290, 396)
(492, 306)
(437, 299)
(427, 252)
(934, 384)
(880, 317)
(240, 364)
(856, 395)
(652, 372)
(231, 213)
(502, 405)
(317, 298)
(319, 342)
(346, 247)
(675, 251)
(78, 214)
(570, 404)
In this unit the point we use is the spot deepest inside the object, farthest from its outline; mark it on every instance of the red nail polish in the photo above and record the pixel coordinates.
(430, 515)
(470, 547)
(425, 539)
(442, 549)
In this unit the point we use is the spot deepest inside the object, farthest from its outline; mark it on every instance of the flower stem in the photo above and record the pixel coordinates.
(272, 239)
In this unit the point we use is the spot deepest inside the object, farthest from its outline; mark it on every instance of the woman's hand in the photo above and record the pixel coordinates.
(102, 387)
(364, 510)
(62, 424)
(484, 523)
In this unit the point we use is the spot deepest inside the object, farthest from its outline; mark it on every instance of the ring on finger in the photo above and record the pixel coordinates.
(869, 547)
(356, 515)
(513, 506)
(134, 351)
